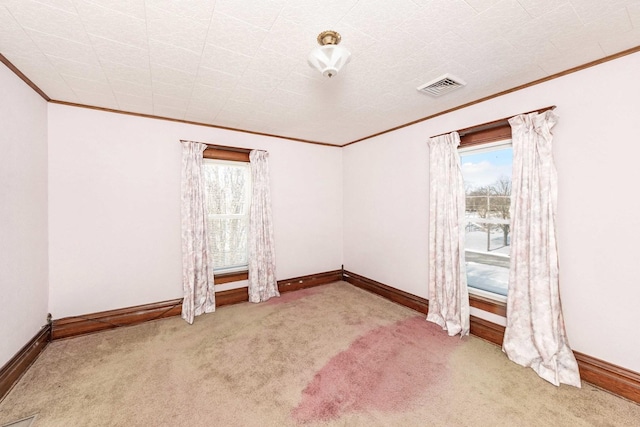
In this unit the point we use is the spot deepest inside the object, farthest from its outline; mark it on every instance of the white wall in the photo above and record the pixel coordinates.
(597, 148)
(114, 207)
(23, 213)
(386, 197)
(114, 215)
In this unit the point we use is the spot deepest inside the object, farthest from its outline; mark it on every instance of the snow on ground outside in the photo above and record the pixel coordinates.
(491, 278)
(477, 241)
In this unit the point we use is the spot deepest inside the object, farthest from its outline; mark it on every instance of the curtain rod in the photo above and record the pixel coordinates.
(221, 147)
(493, 124)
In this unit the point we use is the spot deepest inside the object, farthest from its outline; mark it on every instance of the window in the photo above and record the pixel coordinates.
(487, 176)
(228, 189)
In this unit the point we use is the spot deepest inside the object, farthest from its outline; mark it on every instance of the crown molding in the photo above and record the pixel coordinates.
(608, 58)
(504, 92)
(24, 78)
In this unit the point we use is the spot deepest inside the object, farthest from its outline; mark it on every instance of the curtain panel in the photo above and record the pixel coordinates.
(535, 333)
(448, 294)
(197, 261)
(262, 255)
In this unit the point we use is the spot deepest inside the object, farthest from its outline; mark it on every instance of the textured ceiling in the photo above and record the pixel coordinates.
(242, 63)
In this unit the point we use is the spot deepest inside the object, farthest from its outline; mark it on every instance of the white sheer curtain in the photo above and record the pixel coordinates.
(228, 190)
(535, 335)
(262, 255)
(197, 262)
(448, 295)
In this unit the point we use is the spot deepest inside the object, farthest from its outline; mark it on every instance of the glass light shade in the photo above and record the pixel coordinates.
(329, 59)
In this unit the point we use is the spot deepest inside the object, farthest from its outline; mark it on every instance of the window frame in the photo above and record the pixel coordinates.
(478, 148)
(487, 133)
(247, 166)
(219, 152)
(482, 134)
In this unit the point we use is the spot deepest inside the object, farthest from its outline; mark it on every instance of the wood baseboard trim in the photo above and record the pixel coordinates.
(232, 296)
(486, 330)
(235, 296)
(479, 327)
(615, 379)
(309, 281)
(13, 370)
(612, 378)
(607, 376)
(396, 295)
(95, 322)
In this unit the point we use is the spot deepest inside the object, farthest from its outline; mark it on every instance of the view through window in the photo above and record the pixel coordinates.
(487, 178)
(228, 190)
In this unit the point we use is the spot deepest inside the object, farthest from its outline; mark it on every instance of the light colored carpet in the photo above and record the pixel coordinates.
(27, 422)
(333, 355)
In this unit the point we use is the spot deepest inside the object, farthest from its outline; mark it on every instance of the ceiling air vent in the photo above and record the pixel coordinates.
(441, 85)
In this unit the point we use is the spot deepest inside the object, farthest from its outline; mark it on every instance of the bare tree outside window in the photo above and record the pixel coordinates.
(501, 190)
(491, 202)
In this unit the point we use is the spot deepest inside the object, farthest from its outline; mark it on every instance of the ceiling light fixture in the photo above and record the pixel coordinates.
(329, 58)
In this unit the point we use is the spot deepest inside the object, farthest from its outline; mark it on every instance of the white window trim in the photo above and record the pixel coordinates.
(489, 220)
(247, 165)
(477, 149)
(226, 162)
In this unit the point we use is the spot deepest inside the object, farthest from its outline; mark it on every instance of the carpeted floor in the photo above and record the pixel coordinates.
(333, 355)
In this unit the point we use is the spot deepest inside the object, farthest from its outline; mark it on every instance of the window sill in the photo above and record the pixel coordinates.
(490, 305)
(235, 276)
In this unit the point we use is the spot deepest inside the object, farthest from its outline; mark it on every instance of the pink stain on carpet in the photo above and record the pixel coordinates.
(383, 370)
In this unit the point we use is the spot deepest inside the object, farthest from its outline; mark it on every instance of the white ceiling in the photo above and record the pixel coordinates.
(242, 63)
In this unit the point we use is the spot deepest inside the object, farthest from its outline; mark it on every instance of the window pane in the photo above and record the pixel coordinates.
(228, 241)
(487, 177)
(487, 258)
(228, 187)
